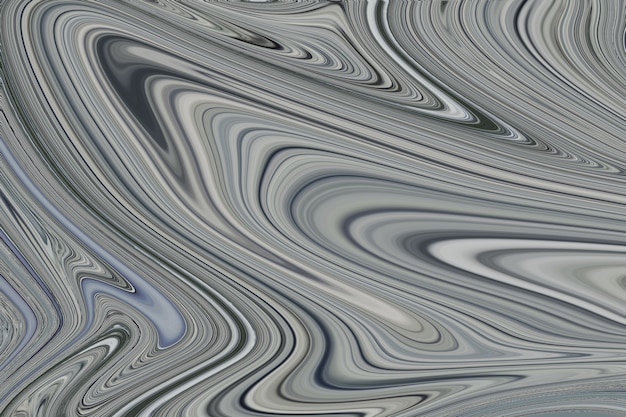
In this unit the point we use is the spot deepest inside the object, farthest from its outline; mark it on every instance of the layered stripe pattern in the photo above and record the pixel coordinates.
(312, 208)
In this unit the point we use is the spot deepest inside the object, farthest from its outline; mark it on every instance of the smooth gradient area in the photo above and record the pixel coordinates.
(358, 208)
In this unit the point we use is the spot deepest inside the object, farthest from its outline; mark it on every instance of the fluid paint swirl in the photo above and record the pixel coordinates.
(312, 208)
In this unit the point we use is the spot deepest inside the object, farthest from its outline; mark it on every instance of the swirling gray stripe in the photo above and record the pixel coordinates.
(312, 208)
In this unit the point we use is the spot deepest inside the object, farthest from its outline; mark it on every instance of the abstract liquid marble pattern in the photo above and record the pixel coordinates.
(312, 208)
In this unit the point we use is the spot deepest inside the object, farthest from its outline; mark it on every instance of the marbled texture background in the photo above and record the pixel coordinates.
(312, 208)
